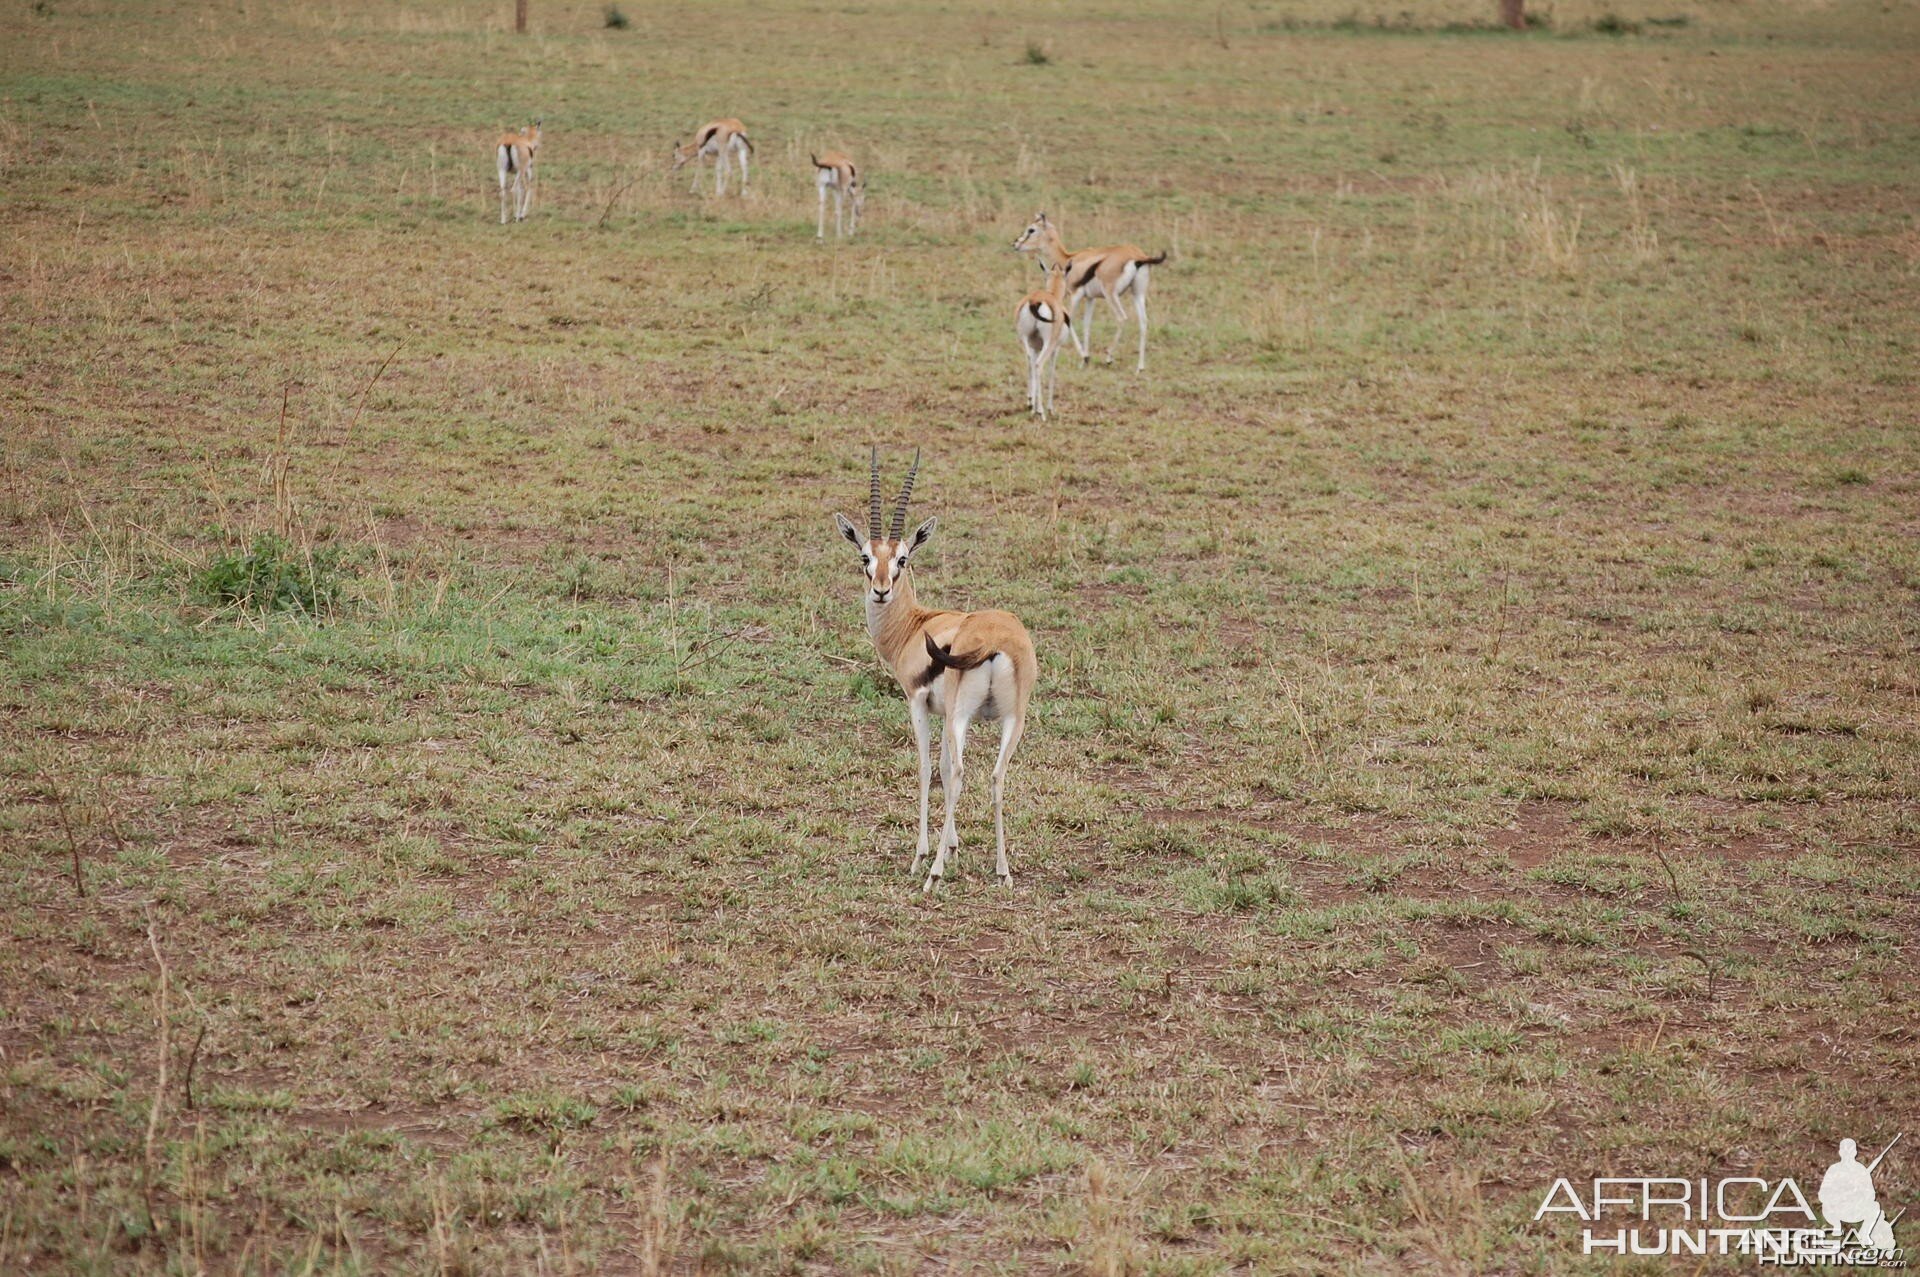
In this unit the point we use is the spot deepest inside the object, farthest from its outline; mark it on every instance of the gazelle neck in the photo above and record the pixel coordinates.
(891, 623)
(1052, 251)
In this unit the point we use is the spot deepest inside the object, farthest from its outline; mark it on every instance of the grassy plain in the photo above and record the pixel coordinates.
(1477, 735)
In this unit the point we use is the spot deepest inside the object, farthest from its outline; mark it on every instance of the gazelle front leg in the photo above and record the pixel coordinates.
(820, 228)
(503, 192)
(743, 170)
(952, 771)
(1010, 730)
(839, 209)
(720, 173)
(922, 740)
(1082, 327)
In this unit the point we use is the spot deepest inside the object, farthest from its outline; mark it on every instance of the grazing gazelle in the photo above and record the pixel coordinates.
(835, 172)
(960, 665)
(1040, 323)
(513, 156)
(724, 140)
(1115, 272)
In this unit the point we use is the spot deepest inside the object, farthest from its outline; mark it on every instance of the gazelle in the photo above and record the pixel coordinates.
(835, 172)
(959, 665)
(1040, 323)
(513, 156)
(724, 140)
(1114, 273)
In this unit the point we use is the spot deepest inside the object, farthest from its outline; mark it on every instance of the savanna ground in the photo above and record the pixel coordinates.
(1477, 732)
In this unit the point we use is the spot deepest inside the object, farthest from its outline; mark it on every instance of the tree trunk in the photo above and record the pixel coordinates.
(520, 14)
(1513, 13)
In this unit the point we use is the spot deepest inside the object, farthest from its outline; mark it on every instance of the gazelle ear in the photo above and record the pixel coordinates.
(847, 529)
(921, 533)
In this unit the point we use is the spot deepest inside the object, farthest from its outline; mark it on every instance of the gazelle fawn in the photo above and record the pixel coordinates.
(724, 140)
(960, 665)
(513, 157)
(1039, 323)
(834, 172)
(1116, 273)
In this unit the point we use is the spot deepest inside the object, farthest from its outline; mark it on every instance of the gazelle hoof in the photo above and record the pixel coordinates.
(931, 879)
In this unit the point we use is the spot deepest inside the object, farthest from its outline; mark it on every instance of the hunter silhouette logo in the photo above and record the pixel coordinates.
(1847, 1199)
(1769, 1220)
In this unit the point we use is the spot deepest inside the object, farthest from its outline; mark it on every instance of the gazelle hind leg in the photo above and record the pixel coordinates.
(1083, 330)
(500, 163)
(953, 744)
(820, 226)
(1140, 313)
(1010, 729)
(1119, 326)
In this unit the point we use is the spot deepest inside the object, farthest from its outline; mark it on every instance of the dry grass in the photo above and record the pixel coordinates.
(1477, 735)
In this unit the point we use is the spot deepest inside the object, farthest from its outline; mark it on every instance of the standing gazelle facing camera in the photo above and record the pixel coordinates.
(959, 665)
(513, 157)
(1040, 323)
(724, 140)
(834, 172)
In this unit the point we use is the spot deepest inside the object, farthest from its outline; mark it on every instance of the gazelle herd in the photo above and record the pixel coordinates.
(961, 666)
(1117, 274)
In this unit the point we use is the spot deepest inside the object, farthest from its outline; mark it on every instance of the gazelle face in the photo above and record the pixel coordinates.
(682, 152)
(1031, 237)
(884, 561)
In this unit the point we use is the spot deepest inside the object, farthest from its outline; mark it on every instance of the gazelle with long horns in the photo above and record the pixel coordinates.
(1115, 273)
(959, 665)
(513, 157)
(835, 172)
(1039, 324)
(724, 140)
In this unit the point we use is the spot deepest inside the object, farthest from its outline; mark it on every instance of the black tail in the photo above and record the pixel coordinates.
(748, 141)
(945, 659)
(1152, 261)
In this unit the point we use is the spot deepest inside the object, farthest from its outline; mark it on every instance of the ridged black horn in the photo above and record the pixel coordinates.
(873, 497)
(906, 495)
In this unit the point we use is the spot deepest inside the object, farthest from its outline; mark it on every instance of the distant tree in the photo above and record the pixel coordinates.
(520, 14)
(1513, 13)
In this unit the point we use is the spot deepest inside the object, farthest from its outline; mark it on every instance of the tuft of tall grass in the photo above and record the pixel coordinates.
(274, 576)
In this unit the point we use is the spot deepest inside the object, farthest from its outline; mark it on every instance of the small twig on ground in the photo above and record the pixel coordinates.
(193, 1057)
(368, 389)
(1500, 626)
(611, 201)
(1673, 880)
(66, 825)
(160, 1085)
(1701, 958)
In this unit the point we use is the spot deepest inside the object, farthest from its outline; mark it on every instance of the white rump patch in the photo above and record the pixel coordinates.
(1046, 313)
